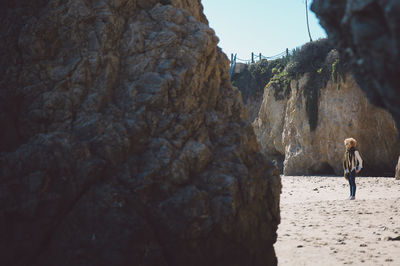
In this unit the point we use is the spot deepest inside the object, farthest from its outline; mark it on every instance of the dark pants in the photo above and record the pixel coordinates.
(352, 182)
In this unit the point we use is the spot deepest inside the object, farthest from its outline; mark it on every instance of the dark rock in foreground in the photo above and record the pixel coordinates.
(368, 32)
(123, 141)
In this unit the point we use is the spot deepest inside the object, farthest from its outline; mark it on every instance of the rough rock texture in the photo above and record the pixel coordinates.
(269, 123)
(397, 175)
(123, 141)
(368, 32)
(342, 112)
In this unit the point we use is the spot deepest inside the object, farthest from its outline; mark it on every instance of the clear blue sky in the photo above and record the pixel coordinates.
(260, 26)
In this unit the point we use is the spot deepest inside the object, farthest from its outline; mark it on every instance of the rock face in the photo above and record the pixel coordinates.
(270, 122)
(253, 104)
(398, 170)
(123, 141)
(368, 32)
(343, 111)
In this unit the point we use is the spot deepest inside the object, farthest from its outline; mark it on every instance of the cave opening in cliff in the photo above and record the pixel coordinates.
(323, 169)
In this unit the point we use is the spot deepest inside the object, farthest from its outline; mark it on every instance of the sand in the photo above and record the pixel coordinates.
(319, 226)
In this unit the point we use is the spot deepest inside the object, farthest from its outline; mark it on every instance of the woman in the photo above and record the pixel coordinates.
(352, 164)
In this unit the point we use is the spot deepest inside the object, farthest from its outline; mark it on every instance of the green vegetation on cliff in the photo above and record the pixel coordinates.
(252, 80)
(318, 59)
(281, 84)
(312, 59)
(321, 62)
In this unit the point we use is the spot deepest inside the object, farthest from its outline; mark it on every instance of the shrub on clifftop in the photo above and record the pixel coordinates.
(252, 80)
(321, 61)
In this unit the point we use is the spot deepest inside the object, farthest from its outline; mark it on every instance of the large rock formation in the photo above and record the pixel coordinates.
(323, 105)
(368, 33)
(123, 141)
(343, 111)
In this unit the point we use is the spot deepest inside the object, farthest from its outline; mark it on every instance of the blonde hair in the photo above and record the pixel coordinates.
(352, 142)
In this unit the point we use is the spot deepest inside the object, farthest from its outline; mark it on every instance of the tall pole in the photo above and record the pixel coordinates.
(308, 26)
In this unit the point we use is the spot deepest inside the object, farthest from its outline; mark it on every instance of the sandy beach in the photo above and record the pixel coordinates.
(319, 226)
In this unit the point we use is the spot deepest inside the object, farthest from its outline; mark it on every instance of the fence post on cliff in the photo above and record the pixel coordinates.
(233, 65)
(287, 52)
(252, 57)
(260, 56)
(231, 58)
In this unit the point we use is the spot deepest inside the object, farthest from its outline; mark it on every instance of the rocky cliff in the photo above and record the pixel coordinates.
(284, 129)
(123, 141)
(251, 79)
(253, 104)
(342, 113)
(270, 122)
(368, 33)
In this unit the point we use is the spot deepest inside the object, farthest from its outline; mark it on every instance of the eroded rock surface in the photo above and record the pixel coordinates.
(368, 33)
(124, 142)
(343, 111)
(270, 122)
